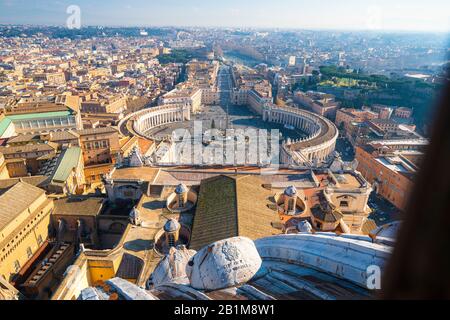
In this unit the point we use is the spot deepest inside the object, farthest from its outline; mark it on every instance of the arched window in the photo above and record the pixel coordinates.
(291, 205)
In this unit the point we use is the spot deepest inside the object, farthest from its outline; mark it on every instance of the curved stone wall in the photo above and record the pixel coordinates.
(318, 147)
(346, 257)
(172, 203)
(145, 120)
(320, 143)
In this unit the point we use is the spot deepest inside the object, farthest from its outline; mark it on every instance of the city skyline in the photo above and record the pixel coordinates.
(289, 14)
(147, 155)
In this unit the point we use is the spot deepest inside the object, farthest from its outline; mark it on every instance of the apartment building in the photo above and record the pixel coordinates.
(99, 145)
(391, 173)
(320, 103)
(105, 104)
(24, 221)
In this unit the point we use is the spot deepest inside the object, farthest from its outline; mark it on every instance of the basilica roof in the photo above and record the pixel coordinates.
(230, 206)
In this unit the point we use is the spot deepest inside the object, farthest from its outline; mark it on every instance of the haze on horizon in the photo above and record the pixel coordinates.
(380, 15)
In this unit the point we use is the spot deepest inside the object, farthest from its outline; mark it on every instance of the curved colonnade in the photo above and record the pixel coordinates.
(317, 147)
(320, 143)
(141, 122)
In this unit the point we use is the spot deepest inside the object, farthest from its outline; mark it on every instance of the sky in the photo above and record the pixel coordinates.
(382, 15)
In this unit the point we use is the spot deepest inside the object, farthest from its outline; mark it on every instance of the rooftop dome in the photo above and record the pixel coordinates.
(172, 225)
(224, 264)
(181, 188)
(290, 191)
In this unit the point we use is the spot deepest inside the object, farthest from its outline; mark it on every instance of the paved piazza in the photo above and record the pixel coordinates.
(239, 117)
(312, 138)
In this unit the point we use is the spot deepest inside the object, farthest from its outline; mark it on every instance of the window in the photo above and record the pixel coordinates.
(29, 253)
(171, 240)
(16, 266)
(344, 204)
(39, 239)
(291, 205)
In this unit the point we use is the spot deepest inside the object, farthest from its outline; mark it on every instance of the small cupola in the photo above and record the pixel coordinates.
(135, 217)
(182, 195)
(290, 200)
(172, 231)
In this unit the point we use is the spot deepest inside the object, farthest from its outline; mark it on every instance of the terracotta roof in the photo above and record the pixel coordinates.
(299, 179)
(16, 200)
(80, 206)
(29, 148)
(64, 135)
(368, 226)
(228, 207)
(254, 216)
(128, 143)
(216, 215)
(55, 136)
(145, 144)
(93, 131)
(130, 267)
(37, 181)
(24, 138)
(326, 214)
(144, 173)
